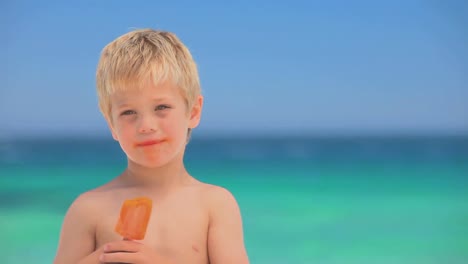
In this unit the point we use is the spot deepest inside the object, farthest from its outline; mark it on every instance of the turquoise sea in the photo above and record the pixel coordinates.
(325, 200)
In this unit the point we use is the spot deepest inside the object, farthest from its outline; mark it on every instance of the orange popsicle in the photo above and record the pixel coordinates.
(134, 217)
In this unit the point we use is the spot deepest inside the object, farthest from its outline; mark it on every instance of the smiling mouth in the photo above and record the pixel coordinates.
(148, 143)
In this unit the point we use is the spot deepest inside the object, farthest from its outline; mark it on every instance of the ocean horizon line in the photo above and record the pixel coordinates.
(249, 135)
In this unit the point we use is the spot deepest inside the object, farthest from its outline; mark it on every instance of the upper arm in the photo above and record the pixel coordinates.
(225, 234)
(77, 234)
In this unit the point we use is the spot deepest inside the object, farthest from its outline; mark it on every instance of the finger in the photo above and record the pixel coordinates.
(122, 246)
(119, 257)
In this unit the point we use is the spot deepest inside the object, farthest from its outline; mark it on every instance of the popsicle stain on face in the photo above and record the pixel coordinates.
(134, 218)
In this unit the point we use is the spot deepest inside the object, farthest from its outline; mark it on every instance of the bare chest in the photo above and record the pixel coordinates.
(176, 229)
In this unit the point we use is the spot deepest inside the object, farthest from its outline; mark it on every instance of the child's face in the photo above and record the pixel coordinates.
(151, 124)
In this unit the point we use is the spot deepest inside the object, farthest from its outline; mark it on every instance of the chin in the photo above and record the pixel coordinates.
(153, 160)
(155, 165)
(152, 163)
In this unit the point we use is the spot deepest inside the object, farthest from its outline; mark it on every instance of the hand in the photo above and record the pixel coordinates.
(128, 251)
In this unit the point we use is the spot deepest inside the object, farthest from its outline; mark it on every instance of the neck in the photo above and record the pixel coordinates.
(166, 177)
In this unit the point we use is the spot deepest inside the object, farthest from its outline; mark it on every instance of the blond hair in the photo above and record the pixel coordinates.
(135, 58)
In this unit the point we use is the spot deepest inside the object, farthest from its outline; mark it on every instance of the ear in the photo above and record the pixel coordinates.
(195, 113)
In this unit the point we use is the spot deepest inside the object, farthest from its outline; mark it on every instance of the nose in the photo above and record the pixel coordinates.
(146, 125)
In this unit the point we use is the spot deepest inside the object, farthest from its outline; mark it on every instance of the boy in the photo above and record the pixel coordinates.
(149, 94)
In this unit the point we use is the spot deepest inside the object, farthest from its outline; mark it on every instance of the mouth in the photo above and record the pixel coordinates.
(148, 143)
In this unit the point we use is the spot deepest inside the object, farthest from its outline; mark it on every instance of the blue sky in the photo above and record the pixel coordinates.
(266, 67)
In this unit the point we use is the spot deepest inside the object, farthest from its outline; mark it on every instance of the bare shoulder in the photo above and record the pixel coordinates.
(225, 235)
(80, 211)
(87, 202)
(216, 192)
(84, 210)
(77, 236)
(216, 196)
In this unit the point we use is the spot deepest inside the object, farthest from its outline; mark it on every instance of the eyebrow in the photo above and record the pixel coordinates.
(124, 104)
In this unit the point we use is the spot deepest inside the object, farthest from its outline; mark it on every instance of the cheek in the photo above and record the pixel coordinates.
(176, 129)
(124, 134)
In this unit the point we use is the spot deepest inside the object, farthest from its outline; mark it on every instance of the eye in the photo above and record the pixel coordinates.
(162, 107)
(128, 112)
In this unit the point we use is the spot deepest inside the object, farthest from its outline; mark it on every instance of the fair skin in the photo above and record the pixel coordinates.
(191, 222)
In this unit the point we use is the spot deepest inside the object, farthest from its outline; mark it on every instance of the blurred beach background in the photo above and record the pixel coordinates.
(341, 128)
